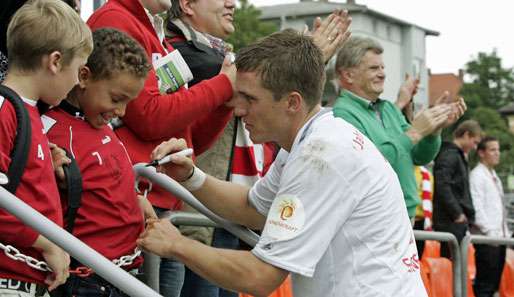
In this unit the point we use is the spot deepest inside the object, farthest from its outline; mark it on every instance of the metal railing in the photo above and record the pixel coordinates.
(76, 248)
(177, 218)
(205, 218)
(480, 239)
(455, 252)
(184, 218)
(178, 191)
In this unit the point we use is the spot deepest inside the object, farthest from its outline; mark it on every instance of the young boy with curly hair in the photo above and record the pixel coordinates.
(109, 218)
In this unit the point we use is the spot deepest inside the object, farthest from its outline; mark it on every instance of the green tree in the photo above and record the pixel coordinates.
(248, 26)
(490, 84)
(489, 87)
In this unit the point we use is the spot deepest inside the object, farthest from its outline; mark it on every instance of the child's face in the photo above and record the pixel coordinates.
(64, 80)
(106, 99)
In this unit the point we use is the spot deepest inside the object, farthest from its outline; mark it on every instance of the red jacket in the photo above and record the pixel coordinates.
(197, 114)
(37, 188)
(109, 219)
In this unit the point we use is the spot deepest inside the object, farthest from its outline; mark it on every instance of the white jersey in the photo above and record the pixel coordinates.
(336, 218)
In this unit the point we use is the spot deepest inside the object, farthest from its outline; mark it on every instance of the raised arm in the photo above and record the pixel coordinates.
(331, 33)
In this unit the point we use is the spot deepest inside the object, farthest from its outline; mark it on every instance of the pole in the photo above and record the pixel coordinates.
(76, 248)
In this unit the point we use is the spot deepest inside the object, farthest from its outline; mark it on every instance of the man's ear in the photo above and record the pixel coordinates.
(346, 75)
(480, 154)
(294, 102)
(84, 76)
(53, 62)
(185, 6)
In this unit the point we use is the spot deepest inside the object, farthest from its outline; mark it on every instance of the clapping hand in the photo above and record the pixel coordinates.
(331, 33)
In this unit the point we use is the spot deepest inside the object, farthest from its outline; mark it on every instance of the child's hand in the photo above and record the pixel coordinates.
(57, 259)
(59, 159)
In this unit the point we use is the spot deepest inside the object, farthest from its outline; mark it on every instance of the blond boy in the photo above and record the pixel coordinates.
(47, 44)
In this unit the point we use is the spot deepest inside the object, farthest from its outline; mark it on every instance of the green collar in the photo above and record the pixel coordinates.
(364, 103)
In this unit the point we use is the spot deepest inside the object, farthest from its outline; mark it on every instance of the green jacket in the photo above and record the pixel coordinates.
(389, 137)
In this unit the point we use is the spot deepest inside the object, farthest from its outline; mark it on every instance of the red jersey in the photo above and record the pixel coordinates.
(109, 219)
(37, 188)
(196, 114)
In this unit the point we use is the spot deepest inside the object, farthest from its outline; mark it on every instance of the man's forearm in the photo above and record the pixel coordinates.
(239, 271)
(230, 201)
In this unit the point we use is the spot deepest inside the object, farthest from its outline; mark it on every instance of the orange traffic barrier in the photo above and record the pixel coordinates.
(285, 290)
(470, 289)
(432, 249)
(507, 282)
(440, 276)
(424, 270)
(472, 270)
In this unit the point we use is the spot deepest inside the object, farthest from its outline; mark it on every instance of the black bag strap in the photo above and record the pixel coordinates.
(20, 152)
(74, 191)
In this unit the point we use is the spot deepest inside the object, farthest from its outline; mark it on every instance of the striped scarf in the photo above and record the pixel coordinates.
(426, 197)
(249, 161)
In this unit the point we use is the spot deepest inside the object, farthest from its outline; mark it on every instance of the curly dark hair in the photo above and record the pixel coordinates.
(114, 52)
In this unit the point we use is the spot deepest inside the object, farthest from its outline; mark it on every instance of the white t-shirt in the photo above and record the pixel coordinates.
(487, 195)
(336, 217)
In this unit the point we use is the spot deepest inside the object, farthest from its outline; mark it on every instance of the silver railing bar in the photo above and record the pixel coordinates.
(76, 248)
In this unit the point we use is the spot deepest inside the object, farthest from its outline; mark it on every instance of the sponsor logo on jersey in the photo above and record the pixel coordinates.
(287, 209)
(285, 219)
(106, 139)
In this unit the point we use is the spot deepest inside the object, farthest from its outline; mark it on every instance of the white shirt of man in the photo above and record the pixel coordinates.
(487, 196)
(336, 217)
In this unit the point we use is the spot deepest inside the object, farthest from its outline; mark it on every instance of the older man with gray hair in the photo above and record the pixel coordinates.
(360, 70)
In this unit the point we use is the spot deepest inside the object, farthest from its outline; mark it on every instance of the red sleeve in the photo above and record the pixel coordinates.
(13, 230)
(116, 19)
(153, 116)
(208, 129)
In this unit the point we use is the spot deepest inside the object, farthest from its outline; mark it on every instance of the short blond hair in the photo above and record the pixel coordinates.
(41, 27)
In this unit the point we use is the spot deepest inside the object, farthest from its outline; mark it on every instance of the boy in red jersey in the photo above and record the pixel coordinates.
(198, 114)
(47, 43)
(109, 218)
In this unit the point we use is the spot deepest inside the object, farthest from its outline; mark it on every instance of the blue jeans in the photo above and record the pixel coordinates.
(171, 277)
(171, 272)
(195, 285)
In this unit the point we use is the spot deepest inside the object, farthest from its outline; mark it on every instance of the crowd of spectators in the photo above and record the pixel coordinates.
(118, 111)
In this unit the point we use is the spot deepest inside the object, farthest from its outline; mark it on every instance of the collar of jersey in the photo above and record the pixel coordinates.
(72, 110)
(306, 129)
